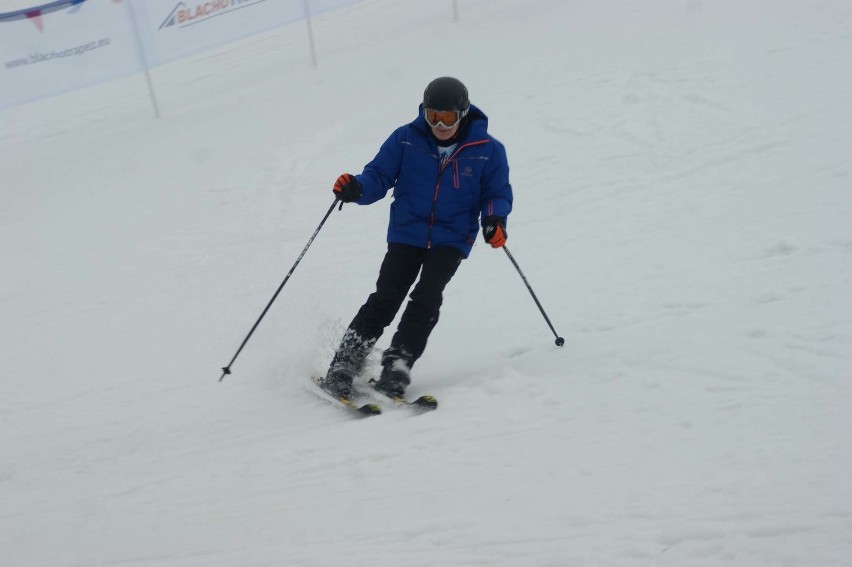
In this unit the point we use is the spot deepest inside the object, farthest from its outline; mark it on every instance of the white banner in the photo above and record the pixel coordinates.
(68, 44)
(63, 46)
(176, 28)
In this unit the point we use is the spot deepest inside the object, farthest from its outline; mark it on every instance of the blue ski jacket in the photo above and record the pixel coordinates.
(439, 203)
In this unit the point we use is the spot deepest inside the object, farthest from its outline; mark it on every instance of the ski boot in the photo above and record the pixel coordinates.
(394, 379)
(338, 383)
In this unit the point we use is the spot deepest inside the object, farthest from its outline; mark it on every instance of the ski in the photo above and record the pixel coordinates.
(364, 410)
(423, 403)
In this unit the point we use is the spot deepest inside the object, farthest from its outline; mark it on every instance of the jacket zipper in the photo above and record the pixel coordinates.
(441, 168)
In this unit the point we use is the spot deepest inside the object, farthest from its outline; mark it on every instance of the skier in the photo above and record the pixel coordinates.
(447, 172)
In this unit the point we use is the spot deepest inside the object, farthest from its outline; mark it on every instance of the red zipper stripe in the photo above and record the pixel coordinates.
(438, 184)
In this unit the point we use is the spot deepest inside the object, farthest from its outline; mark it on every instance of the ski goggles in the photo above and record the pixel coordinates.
(448, 118)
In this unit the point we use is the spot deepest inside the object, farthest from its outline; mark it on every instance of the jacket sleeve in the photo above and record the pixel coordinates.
(496, 196)
(382, 172)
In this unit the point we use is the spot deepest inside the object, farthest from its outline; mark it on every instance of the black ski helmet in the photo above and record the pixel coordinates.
(446, 93)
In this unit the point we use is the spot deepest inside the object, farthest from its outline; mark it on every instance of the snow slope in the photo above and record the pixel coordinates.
(682, 180)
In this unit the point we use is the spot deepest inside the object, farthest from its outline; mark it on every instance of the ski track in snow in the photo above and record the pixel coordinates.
(682, 175)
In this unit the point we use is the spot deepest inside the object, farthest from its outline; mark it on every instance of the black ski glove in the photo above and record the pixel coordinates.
(347, 188)
(494, 231)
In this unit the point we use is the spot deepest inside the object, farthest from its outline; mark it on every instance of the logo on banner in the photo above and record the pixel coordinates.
(190, 13)
(36, 13)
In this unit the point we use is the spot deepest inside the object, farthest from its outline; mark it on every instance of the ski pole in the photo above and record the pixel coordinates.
(559, 340)
(227, 369)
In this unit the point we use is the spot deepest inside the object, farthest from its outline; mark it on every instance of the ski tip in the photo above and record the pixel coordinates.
(365, 410)
(370, 409)
(426, 402)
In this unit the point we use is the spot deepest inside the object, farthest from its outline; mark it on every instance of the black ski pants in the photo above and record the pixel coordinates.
(399, 270)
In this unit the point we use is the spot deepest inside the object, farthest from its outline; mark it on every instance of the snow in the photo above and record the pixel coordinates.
(682, 180)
